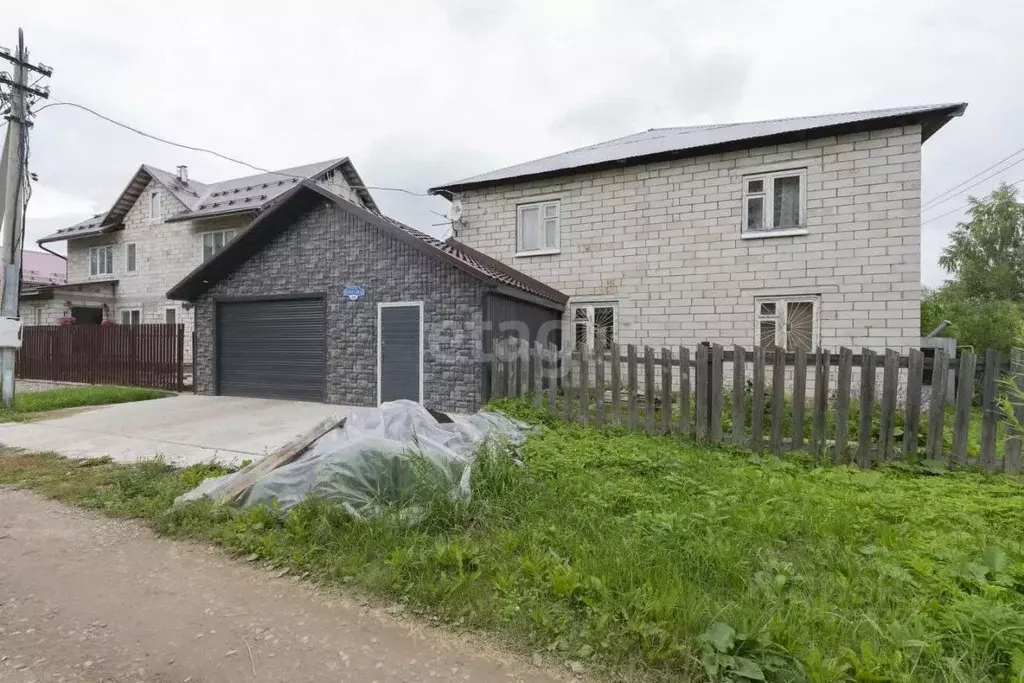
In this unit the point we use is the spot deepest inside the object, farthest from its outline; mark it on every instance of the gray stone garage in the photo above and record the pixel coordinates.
(321, 300)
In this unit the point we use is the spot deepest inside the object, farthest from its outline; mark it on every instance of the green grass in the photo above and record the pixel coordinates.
(653, 558)
(28, 404)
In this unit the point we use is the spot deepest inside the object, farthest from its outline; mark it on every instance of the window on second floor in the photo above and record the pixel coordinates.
(130, 256)
(154, 205)
(774, 202)
(595, 326)
(537, 227)
(215, 241)
(101, 260)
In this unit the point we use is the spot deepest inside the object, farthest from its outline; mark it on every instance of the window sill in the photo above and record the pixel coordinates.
(538, 252)
(767, 234)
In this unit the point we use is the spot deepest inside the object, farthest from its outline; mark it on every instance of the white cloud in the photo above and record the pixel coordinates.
(422, 92)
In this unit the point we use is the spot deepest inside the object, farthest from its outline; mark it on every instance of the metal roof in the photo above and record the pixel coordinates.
(662, 143)
(304, 196)
(238, 195)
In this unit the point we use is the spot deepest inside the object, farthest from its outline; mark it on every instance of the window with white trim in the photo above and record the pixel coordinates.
(595, 325)
(154, 205)
(538, 227)
(171, 316)
(215, 241)
(101, 260)
(790, 323)
(131, 316)
(774, 201)
(130, 256)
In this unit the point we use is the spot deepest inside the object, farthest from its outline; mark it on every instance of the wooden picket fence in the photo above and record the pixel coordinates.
(591, 387)
(125, 355)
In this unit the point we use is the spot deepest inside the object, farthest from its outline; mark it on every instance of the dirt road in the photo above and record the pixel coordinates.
(86, 598)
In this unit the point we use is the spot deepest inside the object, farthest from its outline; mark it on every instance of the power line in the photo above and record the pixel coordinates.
(934, 201)
(215, 153)
(961, 208)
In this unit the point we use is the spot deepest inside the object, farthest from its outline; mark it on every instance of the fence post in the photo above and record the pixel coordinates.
(1012, 446)
(703, 403)
(799, 398)
(843, 404)
(616, 386)
(962, 416)
(989, 416)
(937, 405)
(867, 397)
(757, 404)
(599, 386)
(666, 390)
(552, 355)
(631, 384)
(739, 418)
(585, 384)
(912, 410)
(684, 392)
(822, 371)
(538, 375)
(181, 359)
(887, 422)
(778, 397)
(649, 389)
(567, 375)
(717, 359)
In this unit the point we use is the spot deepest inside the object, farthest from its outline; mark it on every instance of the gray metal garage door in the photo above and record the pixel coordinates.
(272, 349)
(399, 335)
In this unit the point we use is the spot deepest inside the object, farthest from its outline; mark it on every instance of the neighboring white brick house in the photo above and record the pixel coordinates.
(125, 261)
(655, 245)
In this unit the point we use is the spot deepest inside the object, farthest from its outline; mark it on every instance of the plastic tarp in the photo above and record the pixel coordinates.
(382, 457)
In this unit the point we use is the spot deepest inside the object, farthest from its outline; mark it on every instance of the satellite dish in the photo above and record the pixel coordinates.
(455, 210)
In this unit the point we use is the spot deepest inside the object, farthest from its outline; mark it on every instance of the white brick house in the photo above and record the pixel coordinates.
(164, 225)
(802, 231)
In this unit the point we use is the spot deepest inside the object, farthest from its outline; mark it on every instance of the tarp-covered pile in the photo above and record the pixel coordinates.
(379, 458)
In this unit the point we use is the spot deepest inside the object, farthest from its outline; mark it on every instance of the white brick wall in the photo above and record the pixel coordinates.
(663, 240)
(165, 253)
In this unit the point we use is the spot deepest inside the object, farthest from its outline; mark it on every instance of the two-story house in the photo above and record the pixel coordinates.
(162, 226)
(800, 232)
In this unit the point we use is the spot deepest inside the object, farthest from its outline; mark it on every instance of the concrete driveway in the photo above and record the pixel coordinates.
(184, 429)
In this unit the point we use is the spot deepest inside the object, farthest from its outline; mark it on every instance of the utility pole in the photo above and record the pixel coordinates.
(14, 175)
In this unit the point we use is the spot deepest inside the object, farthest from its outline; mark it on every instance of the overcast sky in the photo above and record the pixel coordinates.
(423, 92)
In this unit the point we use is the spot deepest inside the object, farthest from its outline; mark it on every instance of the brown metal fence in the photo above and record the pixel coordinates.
(125, 355)
(711, 396)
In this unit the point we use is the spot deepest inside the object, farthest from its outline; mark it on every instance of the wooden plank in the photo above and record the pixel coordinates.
(799, 399)
(739, 418)
(701, 392)
(497, 385)
(1012, 446)
(524, 367)
(912, 408)
(778, 398)
(684, 392)
(552, 356)
(717, 400)
(248, 476)
(990, 409)
(757, 403)
(631, 384)
(649, 389)
(666, 390)
(818, 422)
(567, 377)
(962, 416)
(616, 386)
(585, 385)
(937, 407)
(538, 375)
(867, 400)
(843, 404)
(599, 388)
(887, 418)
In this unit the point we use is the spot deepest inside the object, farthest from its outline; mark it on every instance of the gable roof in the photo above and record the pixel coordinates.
(659, 144)
(304, 196)
(237, 195)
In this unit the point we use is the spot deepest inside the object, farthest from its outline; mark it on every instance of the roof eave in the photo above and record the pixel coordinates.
(182, 217)
(931, 122)
(103, 230)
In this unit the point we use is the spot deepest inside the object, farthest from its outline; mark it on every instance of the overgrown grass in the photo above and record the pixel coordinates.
(656, 558)
(27, 404)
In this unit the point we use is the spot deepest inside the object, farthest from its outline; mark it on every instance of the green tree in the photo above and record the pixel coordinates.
(986, 254)
(982, 323)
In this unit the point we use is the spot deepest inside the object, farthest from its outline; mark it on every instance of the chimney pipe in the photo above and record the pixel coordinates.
(183, 174)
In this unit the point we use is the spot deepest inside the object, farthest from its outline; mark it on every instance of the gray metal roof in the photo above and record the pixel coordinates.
(691, 140)
(237, 195)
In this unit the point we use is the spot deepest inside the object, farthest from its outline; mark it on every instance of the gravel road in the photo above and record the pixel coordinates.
(84, 598)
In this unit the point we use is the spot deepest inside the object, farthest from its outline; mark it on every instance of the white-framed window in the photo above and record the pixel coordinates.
(131, 253)
(215, 241)
(789, 322)
(595, 325)
(101, 260)
(154, 205)
(131, 316)
(537, 228)
(171, 316)
(775, 202)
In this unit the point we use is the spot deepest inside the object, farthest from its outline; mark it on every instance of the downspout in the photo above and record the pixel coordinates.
(50, 251)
